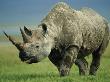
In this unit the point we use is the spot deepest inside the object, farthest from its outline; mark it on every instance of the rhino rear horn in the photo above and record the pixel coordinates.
(26, 38)
(27, 31)
(17, 44)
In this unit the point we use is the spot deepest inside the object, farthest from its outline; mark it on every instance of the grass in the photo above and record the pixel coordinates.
(13, 70)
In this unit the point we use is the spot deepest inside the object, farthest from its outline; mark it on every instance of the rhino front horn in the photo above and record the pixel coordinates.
(17, 44)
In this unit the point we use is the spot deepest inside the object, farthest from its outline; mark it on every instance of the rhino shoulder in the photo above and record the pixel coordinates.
(62, 7)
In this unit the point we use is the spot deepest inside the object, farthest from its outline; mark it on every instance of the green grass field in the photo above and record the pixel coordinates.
(13, 70)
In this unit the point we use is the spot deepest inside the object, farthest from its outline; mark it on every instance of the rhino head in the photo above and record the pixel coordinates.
(36, 44)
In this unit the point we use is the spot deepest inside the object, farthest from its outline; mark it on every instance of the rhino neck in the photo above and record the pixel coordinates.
(54, 35)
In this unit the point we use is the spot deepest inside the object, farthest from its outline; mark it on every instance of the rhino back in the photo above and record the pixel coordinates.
(94, 29)
(71, 27)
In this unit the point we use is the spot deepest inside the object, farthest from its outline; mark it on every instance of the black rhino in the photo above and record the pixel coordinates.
(66, 36)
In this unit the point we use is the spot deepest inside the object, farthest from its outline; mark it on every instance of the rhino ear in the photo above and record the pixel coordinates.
(44, 27)
(27, 31)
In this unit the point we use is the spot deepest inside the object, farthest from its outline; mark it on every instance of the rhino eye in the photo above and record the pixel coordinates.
(37, 46)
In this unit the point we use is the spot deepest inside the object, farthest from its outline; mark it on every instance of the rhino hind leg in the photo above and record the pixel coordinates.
(95, 62)
(96, 55)
(98, 52)
(82, 65)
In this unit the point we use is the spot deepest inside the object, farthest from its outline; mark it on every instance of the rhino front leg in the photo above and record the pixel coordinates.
(55, 57)
(67, 61)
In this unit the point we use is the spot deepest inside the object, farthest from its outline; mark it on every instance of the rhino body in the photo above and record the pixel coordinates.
(76, 34)
(70, 35)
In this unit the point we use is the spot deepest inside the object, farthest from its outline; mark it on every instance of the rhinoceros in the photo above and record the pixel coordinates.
(66, 36)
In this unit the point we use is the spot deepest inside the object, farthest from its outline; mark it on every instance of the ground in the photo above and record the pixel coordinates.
(13, 70)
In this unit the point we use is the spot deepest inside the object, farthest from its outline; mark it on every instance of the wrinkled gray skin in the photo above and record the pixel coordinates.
(66, 36)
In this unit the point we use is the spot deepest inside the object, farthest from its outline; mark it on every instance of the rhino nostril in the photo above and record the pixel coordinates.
(23, 55)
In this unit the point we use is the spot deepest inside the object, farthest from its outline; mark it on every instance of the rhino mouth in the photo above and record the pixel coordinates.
(31, 60)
